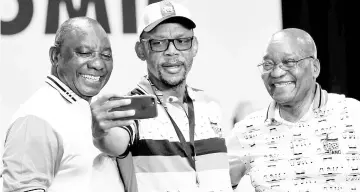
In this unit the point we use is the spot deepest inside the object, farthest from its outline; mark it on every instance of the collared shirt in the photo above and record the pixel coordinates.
(160, 164)
(48, 146)
(320, 152)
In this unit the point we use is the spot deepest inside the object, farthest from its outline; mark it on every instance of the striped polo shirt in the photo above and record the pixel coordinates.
(159, 160)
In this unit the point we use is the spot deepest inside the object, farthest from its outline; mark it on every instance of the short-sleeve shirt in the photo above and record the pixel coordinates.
(48, 146)
(160, 162)
(321, 152)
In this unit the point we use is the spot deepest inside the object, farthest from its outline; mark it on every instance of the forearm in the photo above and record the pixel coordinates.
(237, 160)
(237, 170)
(114, 142)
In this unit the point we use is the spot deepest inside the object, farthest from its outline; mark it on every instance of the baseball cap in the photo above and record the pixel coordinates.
(156, 13)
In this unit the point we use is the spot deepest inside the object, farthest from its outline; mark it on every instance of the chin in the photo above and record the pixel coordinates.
(173, 81)
(282, 99)
(89, 92)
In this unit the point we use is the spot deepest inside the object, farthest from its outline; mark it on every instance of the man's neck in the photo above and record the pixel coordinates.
(294, 112)
(167, 91)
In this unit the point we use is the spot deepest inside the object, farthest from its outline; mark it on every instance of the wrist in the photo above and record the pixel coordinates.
(99, 134)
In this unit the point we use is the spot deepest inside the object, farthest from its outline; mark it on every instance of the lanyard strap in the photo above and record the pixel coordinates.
(189, 150)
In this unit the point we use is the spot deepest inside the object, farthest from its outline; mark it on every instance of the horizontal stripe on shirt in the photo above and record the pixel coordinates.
(149, 147)
(169, 181)
(211, 180)
(180, 164)
(212, 161)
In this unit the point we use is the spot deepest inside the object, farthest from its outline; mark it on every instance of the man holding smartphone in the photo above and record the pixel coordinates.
(181, 149)
(48, 146)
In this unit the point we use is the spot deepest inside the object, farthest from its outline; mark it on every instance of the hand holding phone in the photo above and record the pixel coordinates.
(144, 106)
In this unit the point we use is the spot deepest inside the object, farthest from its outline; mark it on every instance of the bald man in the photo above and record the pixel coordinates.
(306, 139)
(48, 146)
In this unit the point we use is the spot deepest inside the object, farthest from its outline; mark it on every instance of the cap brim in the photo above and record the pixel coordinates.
(179, 19)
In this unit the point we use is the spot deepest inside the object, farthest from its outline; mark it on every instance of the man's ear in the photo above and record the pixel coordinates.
(316, 68)
(54, 54)
(195, 46)
(140, 50)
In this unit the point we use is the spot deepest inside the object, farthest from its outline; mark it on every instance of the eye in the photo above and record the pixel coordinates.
(106, 53)
(107, 56)
(289, 62)
(155, 42)
(267, 65)
(83, 54)
(183, 40)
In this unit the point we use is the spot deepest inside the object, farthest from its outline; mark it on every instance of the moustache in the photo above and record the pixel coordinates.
(173, 61)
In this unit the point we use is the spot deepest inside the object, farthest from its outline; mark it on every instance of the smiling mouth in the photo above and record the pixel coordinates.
(171, 66)
(90, 77)
(282, 84)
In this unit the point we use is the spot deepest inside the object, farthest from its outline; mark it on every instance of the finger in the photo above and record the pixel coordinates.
(105, 125)
(120, 123)
(116, 114)
(115, 103)
(105, 98)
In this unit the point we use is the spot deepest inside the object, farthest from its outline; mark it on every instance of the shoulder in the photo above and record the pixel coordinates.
(352, 103)
(30, 134)
(254, 118)
(31, 127)
(349, 102)
(200, 95)
(353, 107)
(42, 103)
(207, 101)
(31, 137)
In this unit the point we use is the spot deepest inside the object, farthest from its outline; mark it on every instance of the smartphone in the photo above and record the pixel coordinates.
(144, 106)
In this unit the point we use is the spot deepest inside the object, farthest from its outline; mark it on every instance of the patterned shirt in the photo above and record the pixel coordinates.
(158, 157)
(321, 152)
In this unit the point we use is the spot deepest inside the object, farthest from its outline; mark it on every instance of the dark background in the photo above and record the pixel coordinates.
(332, 25)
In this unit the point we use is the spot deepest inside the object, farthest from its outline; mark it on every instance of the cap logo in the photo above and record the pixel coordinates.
(167, 9)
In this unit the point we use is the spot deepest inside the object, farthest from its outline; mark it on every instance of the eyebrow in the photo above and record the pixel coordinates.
(107, 49)
(91, 48)
(176, 36)
(284, 56)
(83, 47)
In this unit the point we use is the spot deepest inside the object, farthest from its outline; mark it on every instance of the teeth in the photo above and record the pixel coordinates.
(91, 77)
(282, 84)
(175, 66)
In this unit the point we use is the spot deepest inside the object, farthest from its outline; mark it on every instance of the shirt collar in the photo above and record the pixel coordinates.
(319, 101)
(64, 90)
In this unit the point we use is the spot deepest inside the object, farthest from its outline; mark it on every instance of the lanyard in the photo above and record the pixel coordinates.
(189, 150)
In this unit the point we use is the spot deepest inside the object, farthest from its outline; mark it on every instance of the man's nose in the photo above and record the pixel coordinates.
(171, 50)
(97, 62)
(277, 71)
